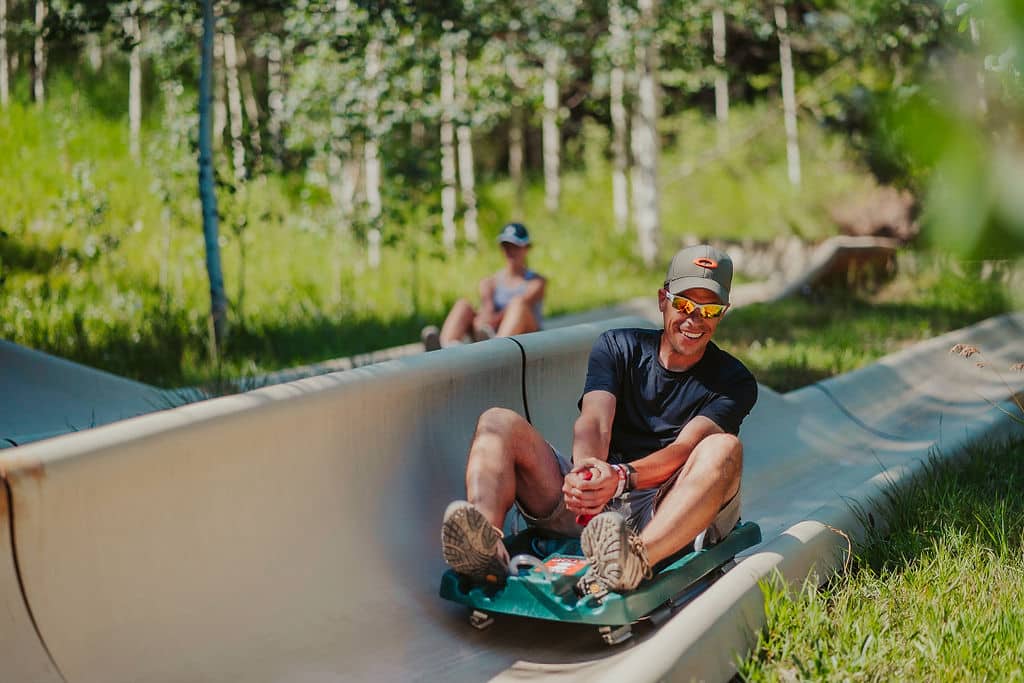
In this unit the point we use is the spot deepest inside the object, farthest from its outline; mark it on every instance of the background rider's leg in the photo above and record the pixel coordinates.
(710, 477)
(519, 319)
(458, 323)
(509, 458)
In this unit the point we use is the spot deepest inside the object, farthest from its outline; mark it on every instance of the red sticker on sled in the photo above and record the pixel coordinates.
(565, 565)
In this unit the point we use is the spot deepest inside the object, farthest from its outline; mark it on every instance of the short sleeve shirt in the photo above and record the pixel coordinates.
(653, 403)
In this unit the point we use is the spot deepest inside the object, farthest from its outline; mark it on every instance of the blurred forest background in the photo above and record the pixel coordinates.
(366, 154)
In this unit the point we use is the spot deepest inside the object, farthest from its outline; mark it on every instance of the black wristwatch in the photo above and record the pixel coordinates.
(631, 476)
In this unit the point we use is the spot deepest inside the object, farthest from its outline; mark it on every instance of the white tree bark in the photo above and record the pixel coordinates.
(275, 101)
(252, 110)
(418, 130)
(234, 101)
(620, 119)
(371, 152)
(551, 133)
(39, 56)
(975, 32)
(788, 96)
(448, 174)
(133, 30)
(94, 51)
(516, 137)
(721, 78)
(343, 174)
(5, 86)
(645, 138)
(467, 176)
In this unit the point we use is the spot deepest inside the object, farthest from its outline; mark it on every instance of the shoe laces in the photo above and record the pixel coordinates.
(638, 547)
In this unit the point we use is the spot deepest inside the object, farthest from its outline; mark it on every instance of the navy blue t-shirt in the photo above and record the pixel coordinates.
(653, 404)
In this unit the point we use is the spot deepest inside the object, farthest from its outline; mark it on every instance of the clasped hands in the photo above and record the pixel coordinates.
(589, 486)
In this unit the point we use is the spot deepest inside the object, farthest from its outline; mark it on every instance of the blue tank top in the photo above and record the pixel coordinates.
(503, 294)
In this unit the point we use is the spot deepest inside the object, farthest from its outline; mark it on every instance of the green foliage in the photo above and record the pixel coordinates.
(935, 599)
(104, 254)
(792, 343)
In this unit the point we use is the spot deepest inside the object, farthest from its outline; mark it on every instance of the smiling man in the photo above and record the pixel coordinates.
(656, 457)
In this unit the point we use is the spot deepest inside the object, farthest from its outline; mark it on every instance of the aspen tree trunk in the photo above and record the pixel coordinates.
(275, 101)
(467, 177)
(220, 109)
(982, 107)
(418, 130)
(133, 30)
(551, 133)
(39, 56)
(341, 179)
(371, 154)
(234, 100)
(619, 116)
(252, 110)
(721, 78)
(516, 137)
(645, 138)
(5, 86)
(448, 179)
(207, 191)
(94, 51)
(788, 96)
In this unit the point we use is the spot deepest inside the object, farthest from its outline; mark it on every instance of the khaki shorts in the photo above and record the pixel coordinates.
(637, 507)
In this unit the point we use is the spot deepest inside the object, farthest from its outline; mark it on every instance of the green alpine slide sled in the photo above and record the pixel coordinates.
(545, 570)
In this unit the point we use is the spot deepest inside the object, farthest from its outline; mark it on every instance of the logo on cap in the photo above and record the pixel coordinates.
(705, 262)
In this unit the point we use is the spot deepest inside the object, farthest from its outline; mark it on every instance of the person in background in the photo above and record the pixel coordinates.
(511, 300)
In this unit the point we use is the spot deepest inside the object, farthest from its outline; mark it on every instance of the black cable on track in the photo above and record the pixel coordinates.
(522, 354)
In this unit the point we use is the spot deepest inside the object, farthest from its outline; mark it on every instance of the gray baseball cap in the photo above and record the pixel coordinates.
(700, 266)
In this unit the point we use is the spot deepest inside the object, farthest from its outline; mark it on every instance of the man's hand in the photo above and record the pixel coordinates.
(588, 496)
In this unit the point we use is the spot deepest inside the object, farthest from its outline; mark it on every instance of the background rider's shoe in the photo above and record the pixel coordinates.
(483, 333)
(471, 545)
(431, 337)
(617, 556)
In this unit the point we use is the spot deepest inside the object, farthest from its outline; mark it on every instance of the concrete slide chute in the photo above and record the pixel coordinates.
(291, 533)
(42, 396)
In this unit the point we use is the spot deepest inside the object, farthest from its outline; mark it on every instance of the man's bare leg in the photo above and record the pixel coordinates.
(508, 459)
(709, 479)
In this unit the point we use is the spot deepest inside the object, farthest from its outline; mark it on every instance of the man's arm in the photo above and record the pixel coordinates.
(592, 432)
(591, 437)
(654, 469)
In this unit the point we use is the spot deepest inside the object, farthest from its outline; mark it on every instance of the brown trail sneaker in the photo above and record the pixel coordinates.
(471, 545)
(617, 556)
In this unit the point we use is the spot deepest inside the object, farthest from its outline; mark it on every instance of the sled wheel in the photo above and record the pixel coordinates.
(480, 620)
(615, 635)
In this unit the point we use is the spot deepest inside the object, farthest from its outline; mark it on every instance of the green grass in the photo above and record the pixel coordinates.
(937, 599)
(792, 343)
(102, 261)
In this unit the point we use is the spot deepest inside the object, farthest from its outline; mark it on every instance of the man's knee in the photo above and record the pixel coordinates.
(499, 422)
(723, 452)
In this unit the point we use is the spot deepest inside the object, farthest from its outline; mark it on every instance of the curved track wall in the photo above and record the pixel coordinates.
(291, 533)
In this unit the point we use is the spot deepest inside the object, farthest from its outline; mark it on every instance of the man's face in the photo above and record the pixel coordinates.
(688, 334)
